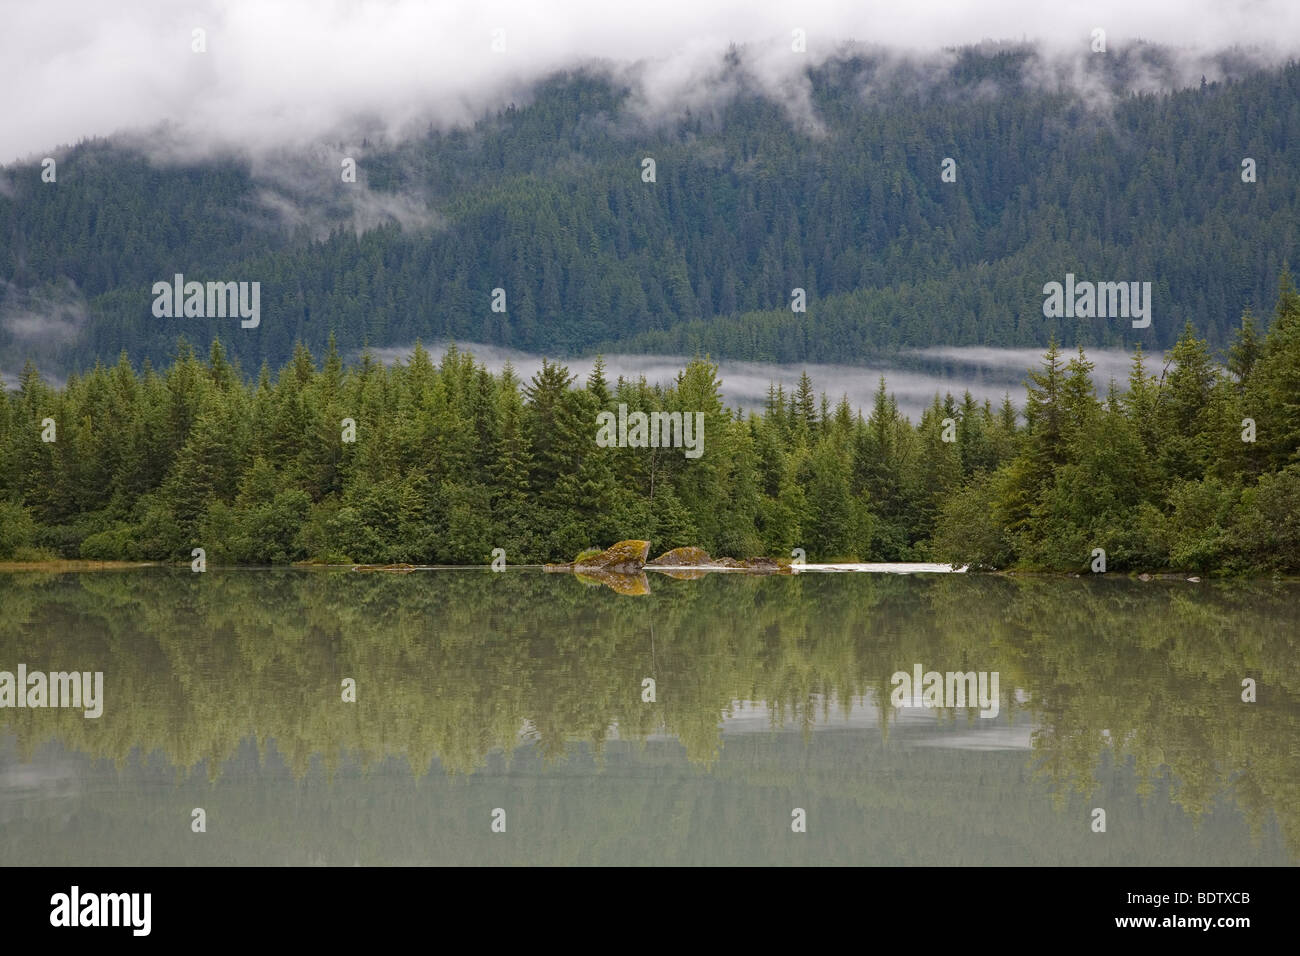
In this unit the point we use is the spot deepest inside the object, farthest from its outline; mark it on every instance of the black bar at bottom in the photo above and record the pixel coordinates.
(334, 905)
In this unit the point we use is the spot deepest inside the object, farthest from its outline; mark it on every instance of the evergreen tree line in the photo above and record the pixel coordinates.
(450, 461)
(546, 201)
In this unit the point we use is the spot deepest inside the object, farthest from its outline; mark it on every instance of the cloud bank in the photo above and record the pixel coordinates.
(284, 73)
(987, 372)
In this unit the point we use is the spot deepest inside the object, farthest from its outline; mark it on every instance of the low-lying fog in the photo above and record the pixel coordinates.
(912, 377)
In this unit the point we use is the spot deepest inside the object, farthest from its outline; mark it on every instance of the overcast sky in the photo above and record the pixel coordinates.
(287, 72)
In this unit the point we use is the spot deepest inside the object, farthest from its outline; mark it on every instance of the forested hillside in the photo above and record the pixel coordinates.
(546, 200)
(1195, 468)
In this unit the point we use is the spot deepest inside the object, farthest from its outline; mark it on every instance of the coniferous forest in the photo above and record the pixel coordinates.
(545, 200)
(271, 447)
(1191, 466)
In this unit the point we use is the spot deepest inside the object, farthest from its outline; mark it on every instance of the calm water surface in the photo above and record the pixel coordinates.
(524, 691)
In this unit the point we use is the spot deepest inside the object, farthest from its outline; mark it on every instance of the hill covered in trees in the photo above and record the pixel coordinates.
(546, 201)
(1197, 468)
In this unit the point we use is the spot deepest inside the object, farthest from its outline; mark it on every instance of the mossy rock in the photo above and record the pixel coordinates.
(683, 558)
(625, 557)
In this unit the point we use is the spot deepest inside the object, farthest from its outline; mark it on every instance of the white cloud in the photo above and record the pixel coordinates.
(36, 318)
(288, 72)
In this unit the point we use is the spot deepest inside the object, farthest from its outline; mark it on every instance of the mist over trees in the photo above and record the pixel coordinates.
(1194, 467)
(546, 201)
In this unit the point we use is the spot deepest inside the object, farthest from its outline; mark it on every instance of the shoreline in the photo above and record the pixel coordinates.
(75, 565)
(63, 565)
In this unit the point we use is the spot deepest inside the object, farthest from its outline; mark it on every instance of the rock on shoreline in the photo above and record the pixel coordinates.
(629, 557)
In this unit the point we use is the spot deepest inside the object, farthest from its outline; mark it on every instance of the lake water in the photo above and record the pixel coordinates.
(523, 692)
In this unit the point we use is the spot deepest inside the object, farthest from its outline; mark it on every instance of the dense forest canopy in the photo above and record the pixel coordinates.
(546, 201)
(1197, 467)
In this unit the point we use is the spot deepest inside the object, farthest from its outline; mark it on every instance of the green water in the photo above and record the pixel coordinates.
(523, 691)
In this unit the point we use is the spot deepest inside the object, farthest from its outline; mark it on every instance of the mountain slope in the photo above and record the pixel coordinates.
(751, 201)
